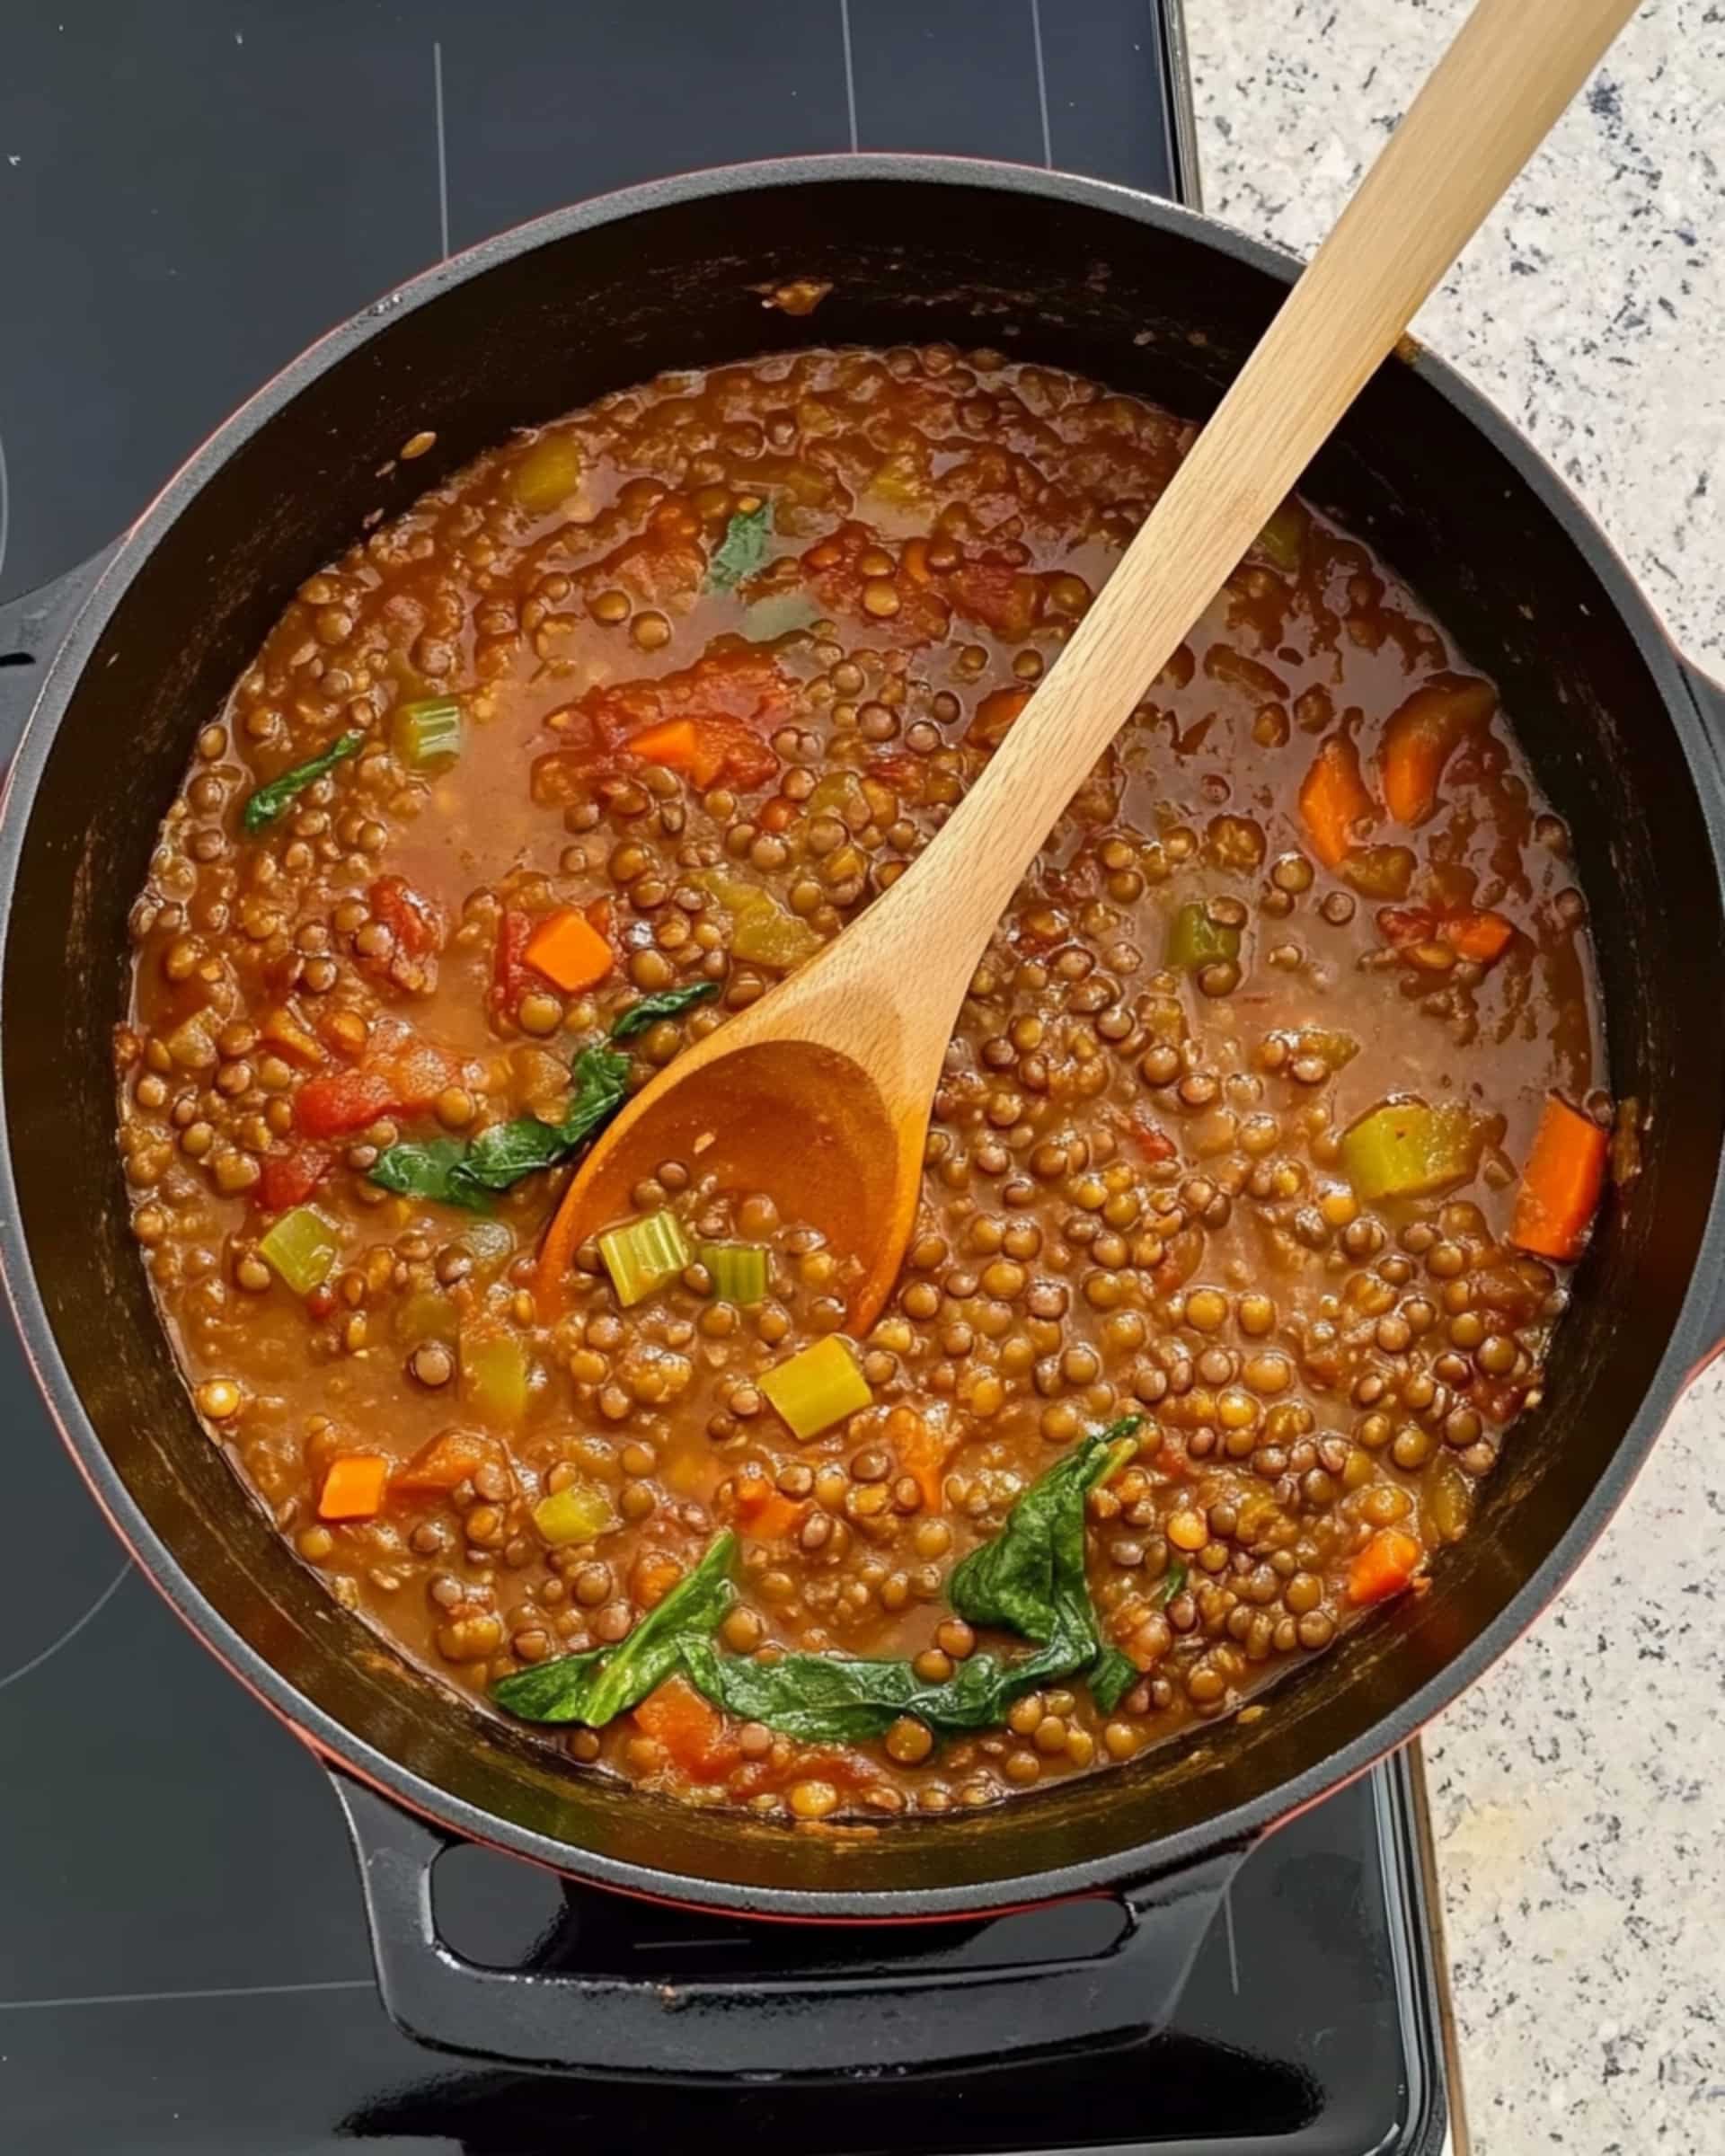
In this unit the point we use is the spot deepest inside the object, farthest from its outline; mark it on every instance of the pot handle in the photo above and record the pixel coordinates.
(913, 2006)
(32, 628)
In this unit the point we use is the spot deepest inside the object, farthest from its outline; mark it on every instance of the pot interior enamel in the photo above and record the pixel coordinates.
(1143, 298)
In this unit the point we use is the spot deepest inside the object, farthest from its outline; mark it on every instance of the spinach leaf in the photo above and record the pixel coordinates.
(839, 1699)
(456, 1172)
(1030, 1578)
(434, 1170)
(1173, 1580)
(669, 1003)
(605, 1682)
(1111, 1677)
(267, 802)
(742, 550)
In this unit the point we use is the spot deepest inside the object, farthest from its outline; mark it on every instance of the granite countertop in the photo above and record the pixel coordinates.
(1579, 1790)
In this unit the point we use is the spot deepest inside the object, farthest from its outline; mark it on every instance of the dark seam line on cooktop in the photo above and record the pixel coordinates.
(443, 150)
(237, 1991)
(72, 1629)
(1041, 83)
(850, 70)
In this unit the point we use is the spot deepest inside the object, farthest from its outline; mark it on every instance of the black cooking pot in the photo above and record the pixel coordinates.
(134, 659)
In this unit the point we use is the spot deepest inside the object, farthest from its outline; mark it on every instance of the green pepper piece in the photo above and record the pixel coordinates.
(1408, 1149)
(1194, 940)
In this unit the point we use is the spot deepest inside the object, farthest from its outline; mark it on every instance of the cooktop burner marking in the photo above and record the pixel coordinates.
(443, 151)
(849, 72)
(72, 1629)
(1042, 83)
(221, 1991)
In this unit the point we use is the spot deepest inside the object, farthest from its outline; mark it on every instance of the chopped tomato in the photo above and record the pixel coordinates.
(695, 1735)
(444, 1462)
(509, 970)
(765, 1514)
(416, 925)
(995, 716)
(1400, 924)
(1154, 1145)
(1481, 937)
(339, 1102)
(289, 1179)
(918, 614)
(991, 591)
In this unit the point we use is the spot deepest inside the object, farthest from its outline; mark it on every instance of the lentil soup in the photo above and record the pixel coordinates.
(1270, 1127)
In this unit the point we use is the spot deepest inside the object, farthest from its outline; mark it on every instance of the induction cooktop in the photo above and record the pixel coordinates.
(189, 193)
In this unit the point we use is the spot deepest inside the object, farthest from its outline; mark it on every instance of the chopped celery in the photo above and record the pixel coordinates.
(762, 930)
(301, 1248)
(1194, 940)
(772, 936)
(548, 474)
(739, 1270)
(581, 1513)
(840, 793)
(819, 1387)
(1406, 1149)
(494, 1375)
(642, 1255)
(427, 734)
(426, 1315)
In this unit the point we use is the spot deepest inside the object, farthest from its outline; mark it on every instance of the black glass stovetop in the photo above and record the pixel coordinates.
(189, 192)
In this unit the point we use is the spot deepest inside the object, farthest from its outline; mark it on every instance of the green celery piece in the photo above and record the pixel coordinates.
(642, 1255)
(738, 1271)
(1194, 940)
(1408, 1149)
(428, 732)
(301, 1248)
(742, 550)
(669, 1002)
(594, 1687)
(265, 805)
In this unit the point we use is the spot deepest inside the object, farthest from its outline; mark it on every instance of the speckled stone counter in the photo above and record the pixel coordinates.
(1579, 1791)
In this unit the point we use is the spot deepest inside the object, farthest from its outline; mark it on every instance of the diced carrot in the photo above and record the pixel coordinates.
(353, 1488)
(1481, 937)
(287, 1032)
(1421, 736)
(288, 1179)
(922, 1449)
(1333, 799)
(1560, 1182)
(1385, 1566)
(444, 1461)
(706, 750)
(765, 1514)
(340, 1101)
(568, 951)
(692, 1730)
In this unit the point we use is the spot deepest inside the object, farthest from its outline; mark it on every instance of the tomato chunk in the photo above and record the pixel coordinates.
(341, 1101)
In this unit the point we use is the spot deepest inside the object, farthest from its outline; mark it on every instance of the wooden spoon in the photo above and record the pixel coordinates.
(819, 1094)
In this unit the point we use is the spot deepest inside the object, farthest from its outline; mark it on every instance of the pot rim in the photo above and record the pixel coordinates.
(338, 1746)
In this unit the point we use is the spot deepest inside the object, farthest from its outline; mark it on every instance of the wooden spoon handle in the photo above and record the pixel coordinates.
(1513, 67)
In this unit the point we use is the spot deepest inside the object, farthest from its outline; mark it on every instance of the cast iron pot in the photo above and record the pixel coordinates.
(139, 653)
